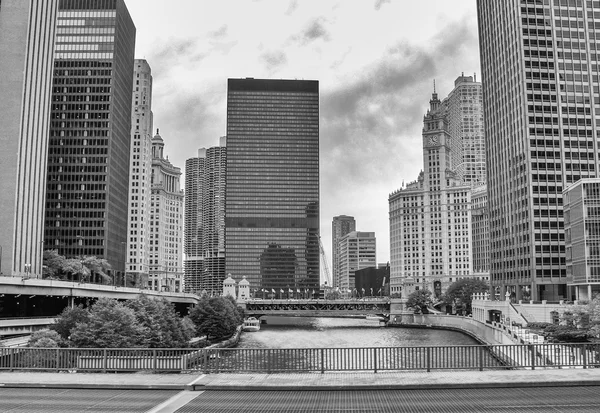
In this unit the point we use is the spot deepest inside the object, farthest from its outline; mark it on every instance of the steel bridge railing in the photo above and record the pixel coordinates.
(475, 357)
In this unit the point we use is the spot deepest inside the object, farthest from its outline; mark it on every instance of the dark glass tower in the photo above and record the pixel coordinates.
(272, 192)
(90, 131)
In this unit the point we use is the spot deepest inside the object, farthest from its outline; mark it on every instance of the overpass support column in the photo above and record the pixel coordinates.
(71, 302)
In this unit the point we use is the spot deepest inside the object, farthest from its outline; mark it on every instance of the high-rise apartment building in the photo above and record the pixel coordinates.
(90, 131)
(166, 222)
(357, 251)
(138, 220)
(272, 193)
(26, 54)
(204, 238)
(430, 219)
(541, 98)
(340, 226)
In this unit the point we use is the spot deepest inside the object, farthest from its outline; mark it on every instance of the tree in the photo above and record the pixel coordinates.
(97, 267)
(460, 293)
(53, 264)
(165, 328)
(215, 317)
(419, 300)
(68, 319)
(110, 324)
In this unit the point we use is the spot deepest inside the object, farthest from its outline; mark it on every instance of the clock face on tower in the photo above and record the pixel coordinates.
(433, 140)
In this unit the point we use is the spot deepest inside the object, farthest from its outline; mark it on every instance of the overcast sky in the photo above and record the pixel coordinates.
(375, 61)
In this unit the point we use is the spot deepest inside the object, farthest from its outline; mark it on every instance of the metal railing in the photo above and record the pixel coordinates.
(476, 357)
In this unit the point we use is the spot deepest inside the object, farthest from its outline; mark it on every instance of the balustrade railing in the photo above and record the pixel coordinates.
(477, 357)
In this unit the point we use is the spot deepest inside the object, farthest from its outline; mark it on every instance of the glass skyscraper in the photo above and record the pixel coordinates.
(272, 185)
(90, 131)
(541, 92)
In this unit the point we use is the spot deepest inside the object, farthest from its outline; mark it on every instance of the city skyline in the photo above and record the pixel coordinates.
(375, 82)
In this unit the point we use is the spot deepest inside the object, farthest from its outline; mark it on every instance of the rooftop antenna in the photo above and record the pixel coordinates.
(433, 85)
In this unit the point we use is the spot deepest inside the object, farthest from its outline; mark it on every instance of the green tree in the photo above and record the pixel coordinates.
(460, 293)
(53, 264)
(110, 324)
(68, 319)
(97, 269)
(419, 300)
(165, 328)
(215, 317)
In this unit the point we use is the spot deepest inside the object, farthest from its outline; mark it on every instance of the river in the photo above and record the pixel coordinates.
(300, 332)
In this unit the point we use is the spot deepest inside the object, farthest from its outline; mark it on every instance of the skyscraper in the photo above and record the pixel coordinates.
(340, 226)
(90, 131)
(204, 239)
(166, 222)
(272, 186)
(541, 99)
(465, 126)
(431, 231)
(138, 221)
(26, 54)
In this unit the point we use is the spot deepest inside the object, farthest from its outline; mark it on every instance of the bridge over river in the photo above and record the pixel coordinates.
(319, 308)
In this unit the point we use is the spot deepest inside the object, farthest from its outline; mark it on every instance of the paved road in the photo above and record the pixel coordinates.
(530, 399)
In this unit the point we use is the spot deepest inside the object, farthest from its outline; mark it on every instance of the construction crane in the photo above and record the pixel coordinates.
(325, 264)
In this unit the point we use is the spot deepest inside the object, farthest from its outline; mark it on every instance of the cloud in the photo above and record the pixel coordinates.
(220, 33)
(274, 59)
(314, 30)
(379, 3)
(371, 127)
(292, 7)
(168, 54)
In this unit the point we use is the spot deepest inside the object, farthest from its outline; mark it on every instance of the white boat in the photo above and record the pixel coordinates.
(251, 324)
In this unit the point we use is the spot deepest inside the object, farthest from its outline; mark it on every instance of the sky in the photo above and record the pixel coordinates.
(375, 60)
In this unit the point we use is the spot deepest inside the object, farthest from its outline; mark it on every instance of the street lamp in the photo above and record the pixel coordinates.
(124, 250)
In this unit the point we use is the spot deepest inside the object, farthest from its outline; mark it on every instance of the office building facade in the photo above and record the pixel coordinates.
(340, 226)
(138, 220)
(27, 29)
(582, 237)
(272, 185)
(204, 239)
(541, 99)
(90, 132)
(166, 222)
(357, 251)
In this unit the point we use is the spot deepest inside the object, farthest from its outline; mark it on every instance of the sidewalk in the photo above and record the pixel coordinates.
(306, 381)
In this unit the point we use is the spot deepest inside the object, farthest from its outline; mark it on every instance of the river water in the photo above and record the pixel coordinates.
(300, 332)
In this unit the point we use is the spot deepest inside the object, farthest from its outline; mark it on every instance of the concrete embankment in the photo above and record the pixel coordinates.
(481, 332)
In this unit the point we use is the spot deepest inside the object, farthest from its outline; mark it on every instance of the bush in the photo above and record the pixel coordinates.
(46, 339)
(538, 325)
(566, 334)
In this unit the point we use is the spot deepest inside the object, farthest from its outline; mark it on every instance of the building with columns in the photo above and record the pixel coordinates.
(166, 222)
(27, 30)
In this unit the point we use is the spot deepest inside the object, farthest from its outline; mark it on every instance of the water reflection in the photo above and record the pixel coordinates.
(289, 332)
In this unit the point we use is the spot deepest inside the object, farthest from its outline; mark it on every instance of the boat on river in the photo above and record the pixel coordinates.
(251, 324)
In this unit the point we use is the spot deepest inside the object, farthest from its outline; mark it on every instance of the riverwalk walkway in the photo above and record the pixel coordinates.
(396, 380)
